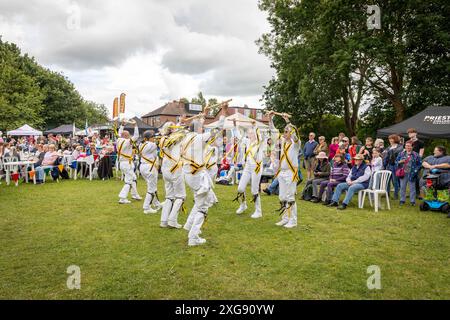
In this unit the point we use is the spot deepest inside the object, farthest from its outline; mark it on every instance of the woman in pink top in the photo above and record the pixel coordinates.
(334, 147)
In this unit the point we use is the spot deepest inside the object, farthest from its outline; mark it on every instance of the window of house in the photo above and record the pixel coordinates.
(247, 112)
(259, 115)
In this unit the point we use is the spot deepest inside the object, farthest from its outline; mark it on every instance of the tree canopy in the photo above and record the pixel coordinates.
(328, 62)
(32, 94)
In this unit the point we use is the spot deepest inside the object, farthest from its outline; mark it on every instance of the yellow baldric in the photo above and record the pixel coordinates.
(149, 161)
(285, 156)
(165, 143)
(194, 165)
(252, 153)
(119, 153)
(208, 158)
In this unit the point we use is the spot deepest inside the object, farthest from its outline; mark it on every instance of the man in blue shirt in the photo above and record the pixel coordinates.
(310, 157)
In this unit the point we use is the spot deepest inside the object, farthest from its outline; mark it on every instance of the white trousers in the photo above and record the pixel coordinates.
(250, 176)
(175, 195)
(200, 184)
(212, 198)
(130, 178)
(288, 191)
(151, 178)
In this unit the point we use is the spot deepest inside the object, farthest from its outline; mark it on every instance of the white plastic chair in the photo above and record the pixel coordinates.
(380, 181)
(9, 169)
(67, 161)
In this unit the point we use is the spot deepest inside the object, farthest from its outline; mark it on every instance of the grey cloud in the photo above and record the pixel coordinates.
(199, 38)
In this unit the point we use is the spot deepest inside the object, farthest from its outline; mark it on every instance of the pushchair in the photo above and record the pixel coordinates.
(436, 193)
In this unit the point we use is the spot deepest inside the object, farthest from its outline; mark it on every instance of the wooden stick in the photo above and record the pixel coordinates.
(280, 114)
(247, 121)
(203, 114)
(218, 104)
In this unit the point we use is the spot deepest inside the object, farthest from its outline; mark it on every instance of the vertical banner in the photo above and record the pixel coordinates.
(122, 103)
(116, 108)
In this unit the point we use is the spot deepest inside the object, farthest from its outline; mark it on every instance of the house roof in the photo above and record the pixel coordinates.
(174, 108)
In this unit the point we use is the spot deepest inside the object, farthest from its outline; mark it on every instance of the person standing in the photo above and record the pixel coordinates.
(170, 150)
(389, 159)
(288, 172)
(419, 148)
(148, 151)
(253, 167)
(211, 158)
(308, 153)
(334, 147)
(367, 149)
(126, 165)
(196, 175)
(408, 165)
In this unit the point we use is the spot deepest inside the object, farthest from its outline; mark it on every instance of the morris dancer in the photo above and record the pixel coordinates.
(148, 152)
(287, 172)
(170, 148)
(211, 165)
(126, 165)
(197, 176)
(253, 157)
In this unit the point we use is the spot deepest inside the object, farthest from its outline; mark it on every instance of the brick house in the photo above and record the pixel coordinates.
(254, 113)
(172, 111)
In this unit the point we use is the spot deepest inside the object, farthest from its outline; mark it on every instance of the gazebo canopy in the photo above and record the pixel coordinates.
(433, 122)
(63, 129)
(24, 130)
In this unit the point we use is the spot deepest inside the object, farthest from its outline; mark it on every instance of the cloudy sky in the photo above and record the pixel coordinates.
(154, 50)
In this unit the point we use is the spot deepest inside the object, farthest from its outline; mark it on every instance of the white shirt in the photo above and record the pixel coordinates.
(377, 164)
(292, 153)
(125, 146)
(195, 145)
(148, 152)
(254, 148)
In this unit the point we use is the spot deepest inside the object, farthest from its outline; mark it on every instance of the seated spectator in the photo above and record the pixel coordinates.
(410, 162)
(357, 180)
(12, 152)
(48, 161)
(339, 173)
(6, 149)
(224, 165)
(438, 161)
(77, 152)
(321, 173)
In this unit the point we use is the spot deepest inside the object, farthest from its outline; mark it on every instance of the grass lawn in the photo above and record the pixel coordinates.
(123, 254)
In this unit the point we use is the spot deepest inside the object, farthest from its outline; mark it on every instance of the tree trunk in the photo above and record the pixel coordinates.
(397, 87)
(399, 108)
(349, 119)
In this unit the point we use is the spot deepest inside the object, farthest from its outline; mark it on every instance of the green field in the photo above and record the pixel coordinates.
(123, 254)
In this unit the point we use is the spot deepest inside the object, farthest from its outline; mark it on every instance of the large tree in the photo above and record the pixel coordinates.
(30, 93)
(327, 61)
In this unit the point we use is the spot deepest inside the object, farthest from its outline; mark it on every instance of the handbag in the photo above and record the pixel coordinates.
(400, 172)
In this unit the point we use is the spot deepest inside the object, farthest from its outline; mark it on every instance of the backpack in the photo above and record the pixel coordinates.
(307, 192)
